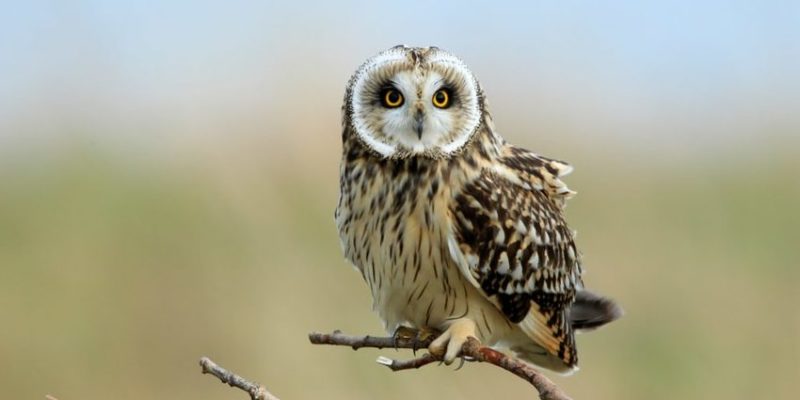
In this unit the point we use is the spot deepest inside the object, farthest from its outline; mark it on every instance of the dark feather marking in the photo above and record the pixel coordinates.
(400, 240)
(453, 304)
(421, 291)
(405, 266)
(397, 169)
(397, 222)
(445, 280)
(427, 214)
(416, 273)
(466, 301)
(433, 189)
(428, 313)
(411, 295)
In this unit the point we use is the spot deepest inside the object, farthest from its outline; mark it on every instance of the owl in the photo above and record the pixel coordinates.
(455, 230)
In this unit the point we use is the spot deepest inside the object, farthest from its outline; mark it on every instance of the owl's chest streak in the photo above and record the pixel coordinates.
(398, 235)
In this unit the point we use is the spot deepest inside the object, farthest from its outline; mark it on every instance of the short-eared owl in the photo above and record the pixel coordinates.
(454, 229)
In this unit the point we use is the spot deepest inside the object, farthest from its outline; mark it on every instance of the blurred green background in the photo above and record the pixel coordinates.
(168, 175)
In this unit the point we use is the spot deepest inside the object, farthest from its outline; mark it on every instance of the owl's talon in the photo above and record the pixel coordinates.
(461, 364)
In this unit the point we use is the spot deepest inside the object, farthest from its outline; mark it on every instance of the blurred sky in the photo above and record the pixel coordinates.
(685, 75)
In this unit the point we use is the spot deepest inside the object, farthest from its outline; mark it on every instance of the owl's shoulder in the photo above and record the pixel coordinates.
(535, 172)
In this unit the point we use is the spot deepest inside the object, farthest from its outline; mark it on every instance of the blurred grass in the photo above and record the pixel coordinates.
(118, 275)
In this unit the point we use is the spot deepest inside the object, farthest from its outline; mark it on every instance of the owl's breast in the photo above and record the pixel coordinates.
(394, 222)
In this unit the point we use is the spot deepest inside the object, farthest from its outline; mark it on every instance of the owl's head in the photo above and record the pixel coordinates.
(409, 101)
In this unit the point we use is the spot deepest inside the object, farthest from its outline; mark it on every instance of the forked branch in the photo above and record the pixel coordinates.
(471, 351)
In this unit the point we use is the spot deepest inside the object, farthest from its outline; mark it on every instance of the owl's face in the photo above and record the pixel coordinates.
(414, 101)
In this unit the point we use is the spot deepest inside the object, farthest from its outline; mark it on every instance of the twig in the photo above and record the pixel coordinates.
(399, 365)
(471, 351)
(256, 391)
(337, 338)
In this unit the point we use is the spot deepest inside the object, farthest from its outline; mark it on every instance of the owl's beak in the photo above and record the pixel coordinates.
(419, 117)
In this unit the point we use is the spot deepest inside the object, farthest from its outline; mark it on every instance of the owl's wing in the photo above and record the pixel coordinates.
(510, 239)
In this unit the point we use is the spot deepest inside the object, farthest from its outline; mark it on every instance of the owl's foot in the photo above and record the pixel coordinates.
(406, 334)
(448, 344)
(425, 335)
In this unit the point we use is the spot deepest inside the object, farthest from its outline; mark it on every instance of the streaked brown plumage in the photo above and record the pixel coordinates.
(452, 228)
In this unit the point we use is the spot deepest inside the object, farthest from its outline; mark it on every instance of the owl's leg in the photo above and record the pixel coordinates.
(450, 342)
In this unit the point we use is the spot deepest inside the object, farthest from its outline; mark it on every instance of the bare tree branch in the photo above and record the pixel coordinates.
(414, 363)
(337, 338)
(471, 351)
(256, 391)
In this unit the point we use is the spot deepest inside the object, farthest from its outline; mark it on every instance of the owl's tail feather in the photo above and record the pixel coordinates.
(591, 311)
(553, 331)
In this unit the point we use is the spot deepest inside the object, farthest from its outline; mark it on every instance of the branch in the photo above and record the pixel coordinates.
(471, 351)
(256, 391)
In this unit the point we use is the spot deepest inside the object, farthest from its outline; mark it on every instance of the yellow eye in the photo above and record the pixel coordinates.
(392, 98)
(441, 98)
